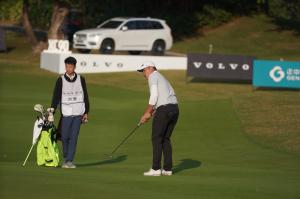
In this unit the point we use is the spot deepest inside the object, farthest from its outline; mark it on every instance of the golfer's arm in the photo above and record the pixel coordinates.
(153, 99)
(149, 109)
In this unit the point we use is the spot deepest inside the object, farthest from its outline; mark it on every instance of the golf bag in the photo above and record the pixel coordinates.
(47, 147)
(44, 133)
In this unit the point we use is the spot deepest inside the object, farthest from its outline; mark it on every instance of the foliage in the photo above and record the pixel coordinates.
(184, 17)
(11, 11)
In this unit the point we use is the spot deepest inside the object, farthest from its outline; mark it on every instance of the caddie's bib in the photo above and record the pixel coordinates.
(72, 97)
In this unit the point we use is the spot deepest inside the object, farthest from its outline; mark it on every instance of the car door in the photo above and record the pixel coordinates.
(127, 36)
(144, 34)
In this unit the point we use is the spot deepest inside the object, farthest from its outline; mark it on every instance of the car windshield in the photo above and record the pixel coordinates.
(111, 24)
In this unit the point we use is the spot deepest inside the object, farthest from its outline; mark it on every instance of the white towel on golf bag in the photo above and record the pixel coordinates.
(37, 128)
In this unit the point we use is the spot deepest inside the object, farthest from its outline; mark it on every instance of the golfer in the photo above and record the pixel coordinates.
(71, 93)
(164, 109)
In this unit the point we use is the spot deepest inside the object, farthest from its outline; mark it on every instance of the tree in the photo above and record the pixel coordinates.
(60, 10)
(27, 26)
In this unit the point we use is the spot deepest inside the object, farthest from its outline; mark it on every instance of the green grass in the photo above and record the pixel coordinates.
(219, 160)
(255, 36)
(230, 141)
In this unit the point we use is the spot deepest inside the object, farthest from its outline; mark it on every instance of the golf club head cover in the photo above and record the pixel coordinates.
(50, 114)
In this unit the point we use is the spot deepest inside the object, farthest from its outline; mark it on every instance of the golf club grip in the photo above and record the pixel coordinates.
(124, 140)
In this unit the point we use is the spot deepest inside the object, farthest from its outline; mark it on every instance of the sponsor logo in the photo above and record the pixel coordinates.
(221, 66)
(277, 74)
(104, 64)
(58, 46)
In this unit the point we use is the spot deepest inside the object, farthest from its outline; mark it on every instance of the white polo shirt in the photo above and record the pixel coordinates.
(161, 91)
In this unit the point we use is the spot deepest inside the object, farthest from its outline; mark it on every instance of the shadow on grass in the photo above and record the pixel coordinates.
(118, 159)
(186, 164)
(8, 50)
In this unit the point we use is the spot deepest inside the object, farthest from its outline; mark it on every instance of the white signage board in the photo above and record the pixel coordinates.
(97, 63)
(58, 46)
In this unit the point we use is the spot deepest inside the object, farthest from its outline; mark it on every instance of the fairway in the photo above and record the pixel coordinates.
(213, 157)
(231, 141)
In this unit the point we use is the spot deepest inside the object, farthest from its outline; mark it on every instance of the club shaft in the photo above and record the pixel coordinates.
(124, 140)
(28, 154)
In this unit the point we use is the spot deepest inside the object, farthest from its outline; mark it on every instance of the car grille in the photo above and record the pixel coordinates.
(81, 36)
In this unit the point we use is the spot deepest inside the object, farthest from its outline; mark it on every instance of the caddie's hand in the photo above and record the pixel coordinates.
(84, 118)
(145, 118)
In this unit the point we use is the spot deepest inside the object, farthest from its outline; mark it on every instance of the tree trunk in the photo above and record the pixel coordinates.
(54, 32)
(266, 7)
(57, 19)
(36, 46)
(27, 26)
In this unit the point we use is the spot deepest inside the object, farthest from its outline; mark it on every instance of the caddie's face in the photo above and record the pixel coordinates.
(70, 69)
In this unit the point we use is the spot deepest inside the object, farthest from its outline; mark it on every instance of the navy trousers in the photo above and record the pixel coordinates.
(69, 134)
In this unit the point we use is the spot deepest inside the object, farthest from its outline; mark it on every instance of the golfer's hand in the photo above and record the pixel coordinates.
(145, 118)
(84, 118)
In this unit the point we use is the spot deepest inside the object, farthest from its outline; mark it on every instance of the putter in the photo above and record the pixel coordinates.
(123, 141)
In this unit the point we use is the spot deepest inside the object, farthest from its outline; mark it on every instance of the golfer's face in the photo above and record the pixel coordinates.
(145, 72)
(70, 69)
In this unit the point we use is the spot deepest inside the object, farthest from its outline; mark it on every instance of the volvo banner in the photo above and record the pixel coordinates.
(220, 67)
(99, 63)
(283, 74)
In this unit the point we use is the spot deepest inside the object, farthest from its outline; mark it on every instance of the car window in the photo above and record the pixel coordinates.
(148, 25)
(156, 25)
(111, 24)
(142, 25)
(131, 25)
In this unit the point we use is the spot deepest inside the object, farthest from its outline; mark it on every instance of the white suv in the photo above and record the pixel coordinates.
(126, 34)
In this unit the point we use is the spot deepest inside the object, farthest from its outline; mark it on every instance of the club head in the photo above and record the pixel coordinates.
(50, 110)
(109, 155)
(39, 108)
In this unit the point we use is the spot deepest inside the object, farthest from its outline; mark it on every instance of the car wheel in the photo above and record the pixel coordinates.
(135, 52)
(107, 46)
(85, 51)
(158, 47)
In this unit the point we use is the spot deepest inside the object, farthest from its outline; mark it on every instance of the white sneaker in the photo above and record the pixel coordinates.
(166, 173)
(152, 172)
(64, 165)
(68, 165)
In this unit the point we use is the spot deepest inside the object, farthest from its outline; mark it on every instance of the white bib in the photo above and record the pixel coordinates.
(72, 97)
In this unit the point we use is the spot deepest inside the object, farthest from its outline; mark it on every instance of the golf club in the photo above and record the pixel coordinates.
(123, 141)
(39, 108)
(47, 119)
(28, 155)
